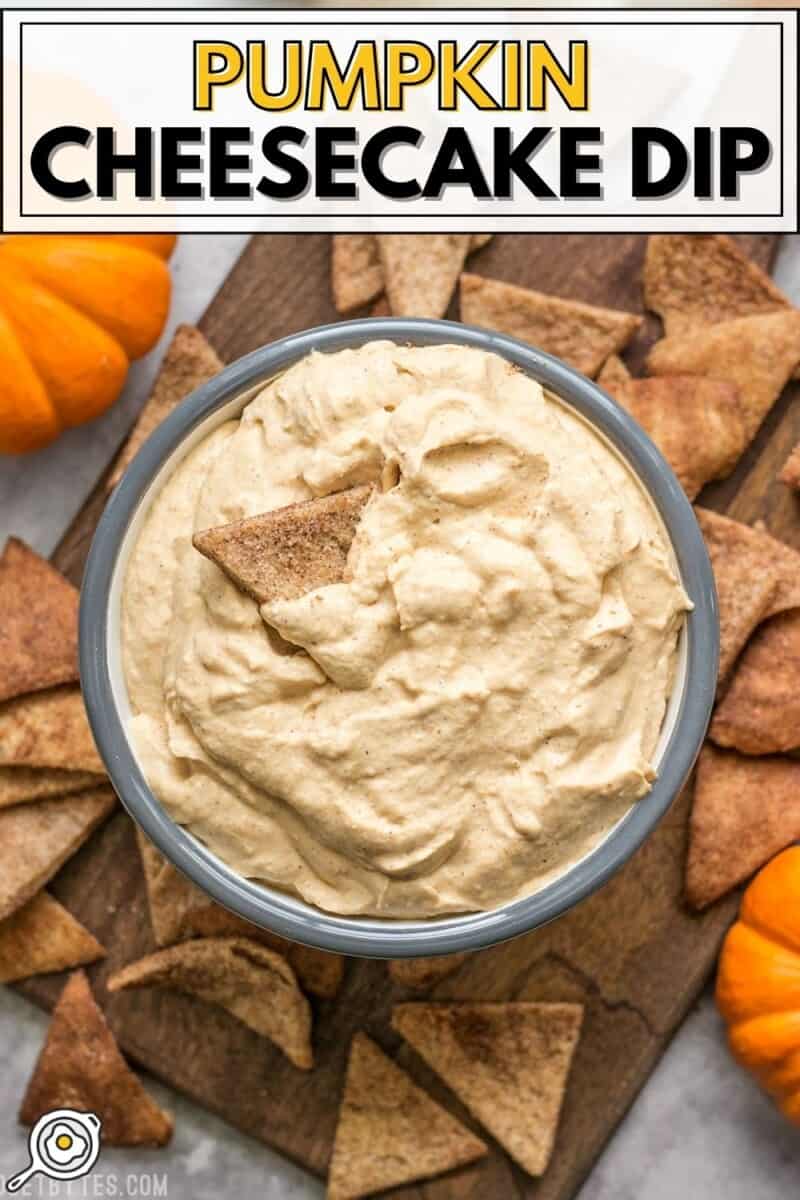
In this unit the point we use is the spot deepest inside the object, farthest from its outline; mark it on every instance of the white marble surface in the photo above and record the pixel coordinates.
(700, 1129)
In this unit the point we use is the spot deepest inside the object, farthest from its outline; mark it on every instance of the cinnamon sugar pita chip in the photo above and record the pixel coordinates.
(757, 354)
(614, 375)
(508, 1063)
(254, 984)
(389, 1131)
(21, 785)
(189, 362)
(760, 711)
(756, 576)
(80, 1067)
(693, 279)
(356, 271)
(317, 971)
(422, 973)
(421, 270)
(48, 729)
(38, 623)
(35, 839)
(179, 910)
(582, 334)
(283, 554)
(790, 475)
(43, 936)
(745, 810)
(695, 422)
(380, 308)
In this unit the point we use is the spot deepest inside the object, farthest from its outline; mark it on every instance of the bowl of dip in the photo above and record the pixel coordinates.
(474, 729)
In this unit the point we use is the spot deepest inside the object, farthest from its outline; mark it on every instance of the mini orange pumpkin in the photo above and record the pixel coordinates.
(758, 984)
(74, 311)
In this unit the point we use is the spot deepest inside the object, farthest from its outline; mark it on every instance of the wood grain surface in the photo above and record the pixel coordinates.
(632, 953)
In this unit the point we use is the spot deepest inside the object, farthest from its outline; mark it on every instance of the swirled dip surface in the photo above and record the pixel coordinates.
(474, 706)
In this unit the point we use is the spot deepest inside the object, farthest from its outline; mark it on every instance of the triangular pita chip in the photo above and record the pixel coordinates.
(614, 375)
(692, 280)
(508, 1063)
(190, 361)
(254, 984)
(35, 839)
(757, 354)
(283, 554)
(356, 271)
(760, 712)
(422, 973)
(43, 936)
(389, 1131)
(80, 1067)
(179, 910)
(756, 577)
(745, 810)
(48, 729)
(696, 423)
(38, 623)
(421, 270)
(790, 475)
(21, 785)
(581, 334)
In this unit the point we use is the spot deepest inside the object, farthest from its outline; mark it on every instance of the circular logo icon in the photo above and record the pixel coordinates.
(63, 1144)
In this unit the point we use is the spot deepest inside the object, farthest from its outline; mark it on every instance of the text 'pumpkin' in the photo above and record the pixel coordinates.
(74, 311)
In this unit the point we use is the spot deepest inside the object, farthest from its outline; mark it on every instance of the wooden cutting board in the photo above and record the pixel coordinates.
(631, 954)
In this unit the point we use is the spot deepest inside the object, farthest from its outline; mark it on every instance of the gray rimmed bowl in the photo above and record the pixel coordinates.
(104, 689)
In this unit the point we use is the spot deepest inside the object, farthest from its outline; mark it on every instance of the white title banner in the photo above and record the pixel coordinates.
(545, 121)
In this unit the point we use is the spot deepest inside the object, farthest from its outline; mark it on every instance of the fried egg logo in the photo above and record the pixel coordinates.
(63, 1144)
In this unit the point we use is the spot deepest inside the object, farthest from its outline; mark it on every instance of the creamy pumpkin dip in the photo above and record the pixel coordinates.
(474, 706)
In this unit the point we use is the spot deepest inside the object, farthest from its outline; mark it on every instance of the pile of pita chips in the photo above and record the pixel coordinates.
(389, 1131)
(42, 937)
(696, 423)
(190, 361)
(254, 984)
(421, 974)
(757, 354)
(282, 554)
(693, 280)
(760, 711)
(52, 792)
(507, 1063)
(418, 271)
(38, 623)
(745, 811)
(747, 808)
(179, 911)
(583, 335)
(80, 1067)
(46, 748)
(790, 475)
(756, 576)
